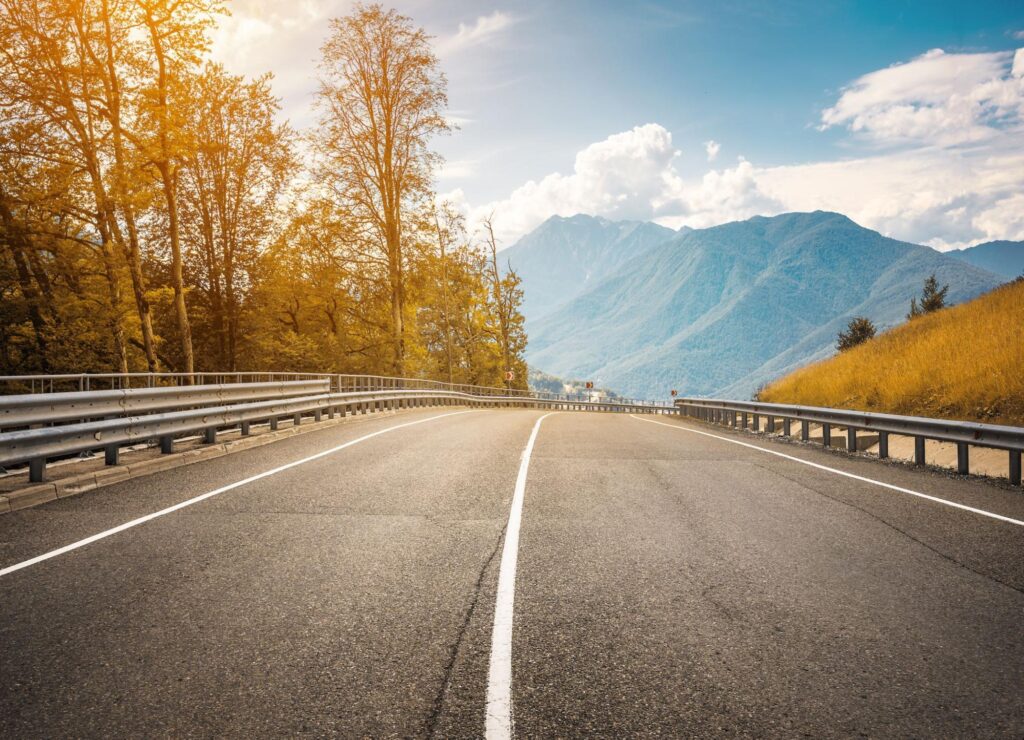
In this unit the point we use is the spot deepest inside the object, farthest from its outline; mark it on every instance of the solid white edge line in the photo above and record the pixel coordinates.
(210, 494)
(843, 473)
(498, 711)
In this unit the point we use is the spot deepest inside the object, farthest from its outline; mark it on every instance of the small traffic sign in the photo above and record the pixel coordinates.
(589, 385)
(509, 375)
(675, 392)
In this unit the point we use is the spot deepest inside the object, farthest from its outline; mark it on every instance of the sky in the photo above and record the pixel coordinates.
(906, 116)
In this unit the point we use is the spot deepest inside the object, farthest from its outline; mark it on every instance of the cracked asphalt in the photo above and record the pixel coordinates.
(669, 584)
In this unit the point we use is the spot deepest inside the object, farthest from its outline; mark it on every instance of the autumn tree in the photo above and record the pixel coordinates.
(381, 100)
(231, 182)
(177, 32)
(50, 92)
(506, 298)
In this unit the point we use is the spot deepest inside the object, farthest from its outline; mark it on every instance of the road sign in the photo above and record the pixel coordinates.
(675, 392)
(509, 375)
(590, 385)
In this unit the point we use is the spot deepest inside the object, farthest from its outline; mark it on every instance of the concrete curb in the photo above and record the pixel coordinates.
(42, 493)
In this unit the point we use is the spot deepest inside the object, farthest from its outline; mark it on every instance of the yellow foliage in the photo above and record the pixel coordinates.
(964, 362)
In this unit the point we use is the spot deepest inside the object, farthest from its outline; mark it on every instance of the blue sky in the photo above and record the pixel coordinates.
(905, 115)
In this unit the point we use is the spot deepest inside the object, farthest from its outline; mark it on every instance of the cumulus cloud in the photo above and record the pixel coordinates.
(950, 173)
(937, 98)
(484, 29)
(631, 175)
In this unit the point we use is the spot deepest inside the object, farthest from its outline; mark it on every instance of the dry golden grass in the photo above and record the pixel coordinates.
(964, 362)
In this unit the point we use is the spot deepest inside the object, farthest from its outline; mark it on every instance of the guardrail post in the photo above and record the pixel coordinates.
(210, 435)
(166, 444)
(851, 439)
(273, 423)
(1015, 467)
(110, 454)
(756, 422)
(919, 458)
(962, 462)
(245, 428)
(36, 470)
(805, 430)
(744, 420)
(317, 415)
(883, 445)
(826, 435)
(771, 425)
(787, 427)
(296, 419)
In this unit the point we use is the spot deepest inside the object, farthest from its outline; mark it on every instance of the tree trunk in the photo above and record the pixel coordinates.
(132, 251)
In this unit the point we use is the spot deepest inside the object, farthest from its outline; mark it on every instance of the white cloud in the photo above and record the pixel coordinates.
(457, 169)
(937, 98)
(626, 176)
(951, 171)
(712, 148)
(1018, 35)
(484, 29)
(267, 35)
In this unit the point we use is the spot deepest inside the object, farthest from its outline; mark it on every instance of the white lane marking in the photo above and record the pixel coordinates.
(498, 722)
(843, 473)
(210, 494)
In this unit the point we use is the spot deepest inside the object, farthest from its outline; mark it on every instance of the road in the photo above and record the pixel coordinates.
(668, 582)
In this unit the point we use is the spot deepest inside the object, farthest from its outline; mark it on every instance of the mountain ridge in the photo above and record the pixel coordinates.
(720, 311)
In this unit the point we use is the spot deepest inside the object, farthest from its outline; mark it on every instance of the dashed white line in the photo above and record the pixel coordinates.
(210, 494)
(498, 722)
(891, 487)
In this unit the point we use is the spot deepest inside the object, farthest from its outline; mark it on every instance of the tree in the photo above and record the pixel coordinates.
(506, 297)
(932, 298)
(382, 97)
(859, 330)
(232, 182)
(177, 34)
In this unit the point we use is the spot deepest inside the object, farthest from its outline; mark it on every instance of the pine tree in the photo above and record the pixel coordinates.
(932, 298)
(859, 330)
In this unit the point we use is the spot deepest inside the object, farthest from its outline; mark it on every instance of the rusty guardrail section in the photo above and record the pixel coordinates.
(965, 434)
(40, 426)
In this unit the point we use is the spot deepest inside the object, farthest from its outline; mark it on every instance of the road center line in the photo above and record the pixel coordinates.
(498, 722)
(209, 494)
(891, 487)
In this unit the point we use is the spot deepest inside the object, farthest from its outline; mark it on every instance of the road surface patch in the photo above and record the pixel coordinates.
(209, 494)
(890, 486)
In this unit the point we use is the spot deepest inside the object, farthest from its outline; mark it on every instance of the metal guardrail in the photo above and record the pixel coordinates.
(55, 407)
(964, 434)
(61, 424)
(92, 382)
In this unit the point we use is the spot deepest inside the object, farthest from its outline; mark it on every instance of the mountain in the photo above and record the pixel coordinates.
(720, 311)
(1002, 257)
(563, 257)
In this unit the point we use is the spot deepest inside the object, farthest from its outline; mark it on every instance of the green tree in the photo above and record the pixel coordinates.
(932, 298)
(859, 330)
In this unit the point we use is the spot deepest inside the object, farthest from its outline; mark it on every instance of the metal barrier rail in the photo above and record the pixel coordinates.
(142, 415)
(29, 409)
(964, 434)
(92, 382)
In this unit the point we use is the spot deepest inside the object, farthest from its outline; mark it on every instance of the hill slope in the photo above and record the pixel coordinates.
(720, 311)
(963, 362)
(563, 257)
(1003, 258)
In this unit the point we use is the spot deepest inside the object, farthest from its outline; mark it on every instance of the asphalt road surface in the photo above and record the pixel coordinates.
(667, 582)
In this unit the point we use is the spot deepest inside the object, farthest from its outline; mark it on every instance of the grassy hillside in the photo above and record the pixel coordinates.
(964, 362)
